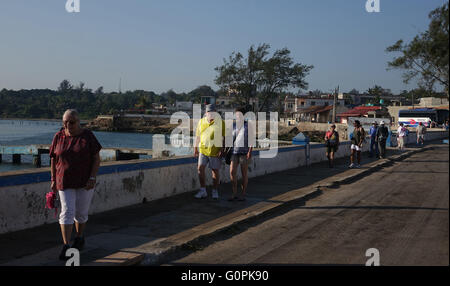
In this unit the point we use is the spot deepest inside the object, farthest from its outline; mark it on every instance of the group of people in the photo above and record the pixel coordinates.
(211, 155)
(378, 138)
(75, 160)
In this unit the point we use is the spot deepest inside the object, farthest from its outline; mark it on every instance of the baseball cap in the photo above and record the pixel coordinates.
(210, 108)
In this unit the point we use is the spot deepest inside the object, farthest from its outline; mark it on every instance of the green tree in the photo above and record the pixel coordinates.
(260, 75)
(427, 56)
(65, 86)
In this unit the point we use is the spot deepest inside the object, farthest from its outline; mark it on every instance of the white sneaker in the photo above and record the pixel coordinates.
(201, 194)
(352, 165)
(215, 194)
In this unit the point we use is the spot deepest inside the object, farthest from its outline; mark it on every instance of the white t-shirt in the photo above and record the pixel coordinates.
(401, 131)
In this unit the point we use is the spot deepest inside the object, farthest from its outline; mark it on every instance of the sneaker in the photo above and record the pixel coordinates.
(357, 166)
(78, 243)
(201, 194)
(215, 194)
(352, 165)
(62, 255)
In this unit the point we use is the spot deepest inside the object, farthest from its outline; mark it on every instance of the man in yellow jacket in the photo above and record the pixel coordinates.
(209, 146)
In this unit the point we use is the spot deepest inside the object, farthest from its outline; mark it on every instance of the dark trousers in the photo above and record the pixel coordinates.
(382, 145)
(374, 145)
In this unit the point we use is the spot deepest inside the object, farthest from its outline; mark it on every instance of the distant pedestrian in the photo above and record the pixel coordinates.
(357, 141)
(373, 143)
(209, 146)
(332, 144)
(241, 153)
(381, 137)
(401, 135)
(421, 130)
(74, 163)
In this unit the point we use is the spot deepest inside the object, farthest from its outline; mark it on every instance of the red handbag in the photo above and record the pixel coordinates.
(50, 201)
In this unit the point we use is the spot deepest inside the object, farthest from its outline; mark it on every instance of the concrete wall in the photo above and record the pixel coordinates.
(120, 184)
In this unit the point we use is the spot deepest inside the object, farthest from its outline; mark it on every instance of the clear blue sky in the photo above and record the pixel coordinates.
(162, 44)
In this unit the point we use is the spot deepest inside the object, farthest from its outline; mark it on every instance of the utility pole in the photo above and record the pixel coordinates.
(336, 91)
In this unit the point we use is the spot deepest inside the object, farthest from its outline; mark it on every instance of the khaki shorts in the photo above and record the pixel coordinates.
(240, 159)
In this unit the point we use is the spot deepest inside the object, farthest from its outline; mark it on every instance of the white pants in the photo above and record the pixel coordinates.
(75, 205)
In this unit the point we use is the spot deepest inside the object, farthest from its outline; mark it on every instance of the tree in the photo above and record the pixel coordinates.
(65, 86)
(240, 76)
(99, 91)
(204, 90)
(260, 75)
(280, 72)
(316, 92)
(354, 91)
(427, 56)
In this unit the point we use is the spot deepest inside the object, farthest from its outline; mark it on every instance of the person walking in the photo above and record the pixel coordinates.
(74, 160)
(332, 144)
(401, 135)
(241, 153)
(373, 144)
(357, 141)
(421, 130)
(381, 137)
(209, 149)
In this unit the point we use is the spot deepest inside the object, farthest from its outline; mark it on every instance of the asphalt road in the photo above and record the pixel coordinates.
(401, 210)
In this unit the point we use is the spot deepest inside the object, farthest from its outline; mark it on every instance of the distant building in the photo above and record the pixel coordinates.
(363, 111)
(183, 105)
(312, 108)
(433, 101)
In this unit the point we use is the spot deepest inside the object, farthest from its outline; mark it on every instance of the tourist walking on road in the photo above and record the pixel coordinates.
(357, 141)
(421, 130)
(241, 153)
(332, 144)
(74, 163)
(381, 137)
(209, 146)
(401, 135)
(373, 143)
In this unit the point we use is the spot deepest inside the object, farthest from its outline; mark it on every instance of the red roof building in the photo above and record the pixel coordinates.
(362, 111)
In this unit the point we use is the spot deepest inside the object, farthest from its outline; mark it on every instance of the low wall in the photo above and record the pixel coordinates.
(120, 184)
(430, 135)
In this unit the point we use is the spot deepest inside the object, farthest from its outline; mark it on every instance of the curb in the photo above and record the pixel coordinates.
(155, 252)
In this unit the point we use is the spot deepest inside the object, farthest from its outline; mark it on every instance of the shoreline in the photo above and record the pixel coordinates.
(83, 121)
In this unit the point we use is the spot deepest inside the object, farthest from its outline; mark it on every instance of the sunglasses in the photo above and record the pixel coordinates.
(71, 122)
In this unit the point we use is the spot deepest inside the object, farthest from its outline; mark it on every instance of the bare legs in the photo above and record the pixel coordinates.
(66, 231)
(234, 180)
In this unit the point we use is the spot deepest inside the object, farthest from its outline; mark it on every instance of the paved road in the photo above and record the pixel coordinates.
(402, 210)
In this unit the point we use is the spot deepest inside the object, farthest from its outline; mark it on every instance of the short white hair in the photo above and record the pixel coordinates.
(71, 113)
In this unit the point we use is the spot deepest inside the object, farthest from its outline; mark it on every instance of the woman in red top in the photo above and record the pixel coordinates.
(75, 161)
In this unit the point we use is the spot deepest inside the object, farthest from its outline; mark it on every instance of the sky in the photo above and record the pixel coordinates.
(158, 45)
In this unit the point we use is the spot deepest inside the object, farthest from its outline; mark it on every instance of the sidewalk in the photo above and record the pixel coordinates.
(122, 236)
